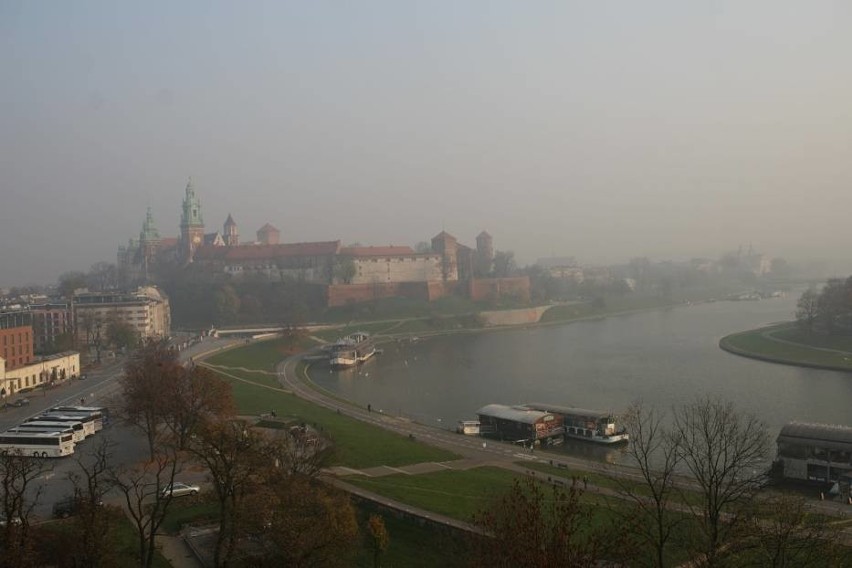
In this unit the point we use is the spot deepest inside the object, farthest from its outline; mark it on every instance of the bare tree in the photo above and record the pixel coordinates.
(93, 521)
(144, 388)
(786, 535)
(311, 524)
(531, 527)
(807, 309)
(235, 458)
(142, 486)
(725, 453)
(300, 451)
(654, 452)
(194, 396)
(18, 474)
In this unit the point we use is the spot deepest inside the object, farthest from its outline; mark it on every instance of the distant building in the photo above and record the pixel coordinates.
(48, 370)
(392, 264)
(232, 236)
(191, 224)
(147, 310)
(50, 321)
(815, 452)
(16, 338)
(268, 235)
(308, 262)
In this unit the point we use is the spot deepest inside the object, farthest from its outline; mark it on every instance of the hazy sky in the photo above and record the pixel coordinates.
(602, 130)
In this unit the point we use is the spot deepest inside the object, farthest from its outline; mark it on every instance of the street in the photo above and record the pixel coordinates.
(100, 388)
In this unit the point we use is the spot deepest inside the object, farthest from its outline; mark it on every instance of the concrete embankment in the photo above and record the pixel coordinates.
(523, 316)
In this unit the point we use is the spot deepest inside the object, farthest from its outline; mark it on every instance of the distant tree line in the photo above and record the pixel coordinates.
(828, 310)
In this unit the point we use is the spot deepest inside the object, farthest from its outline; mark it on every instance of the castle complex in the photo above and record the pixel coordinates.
(351, 274)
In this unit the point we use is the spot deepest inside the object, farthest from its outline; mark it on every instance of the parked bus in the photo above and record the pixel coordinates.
(87, 422)
(37, 444)
(104, 411)
(76, 428)
(95, 417)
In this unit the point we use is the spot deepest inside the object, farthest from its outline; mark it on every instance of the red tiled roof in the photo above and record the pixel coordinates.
(377, 251)
(168, 242)
(259, 252)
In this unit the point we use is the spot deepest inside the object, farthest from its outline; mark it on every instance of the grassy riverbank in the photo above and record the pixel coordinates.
(250, 370)
(787, 344)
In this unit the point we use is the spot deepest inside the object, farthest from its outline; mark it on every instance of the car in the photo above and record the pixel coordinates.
(20, 402)
(178, 489)
(15, 521)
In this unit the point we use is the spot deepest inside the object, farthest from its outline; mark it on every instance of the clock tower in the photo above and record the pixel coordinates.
(191, 224)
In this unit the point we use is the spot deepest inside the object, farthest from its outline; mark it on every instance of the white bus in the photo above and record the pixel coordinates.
(37, 444)
(93, 414)
(76, 428)
(104, 411)
(88, 423)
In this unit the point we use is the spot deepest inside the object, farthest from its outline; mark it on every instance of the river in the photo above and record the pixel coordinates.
(663, 357)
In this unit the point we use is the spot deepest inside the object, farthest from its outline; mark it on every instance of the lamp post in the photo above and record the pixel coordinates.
(98, 341)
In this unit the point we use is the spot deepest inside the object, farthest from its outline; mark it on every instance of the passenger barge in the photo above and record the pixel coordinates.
(583, 424)
(544, 423)
(351, 350)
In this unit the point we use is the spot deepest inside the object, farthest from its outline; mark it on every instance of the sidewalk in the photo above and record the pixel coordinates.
(177, 552)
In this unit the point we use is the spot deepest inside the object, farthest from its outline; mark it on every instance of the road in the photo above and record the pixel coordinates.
(99, 389)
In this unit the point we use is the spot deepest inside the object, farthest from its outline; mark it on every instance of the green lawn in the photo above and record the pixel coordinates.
(456, 494)
(797, 335)
(359, 445)
(758, 343)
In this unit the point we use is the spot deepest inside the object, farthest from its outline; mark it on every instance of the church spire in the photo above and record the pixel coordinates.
(191, 223)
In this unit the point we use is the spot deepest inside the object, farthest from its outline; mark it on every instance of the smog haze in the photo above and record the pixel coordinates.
(602, 131)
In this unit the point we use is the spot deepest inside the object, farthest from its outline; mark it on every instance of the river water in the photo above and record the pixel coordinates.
(663, 357)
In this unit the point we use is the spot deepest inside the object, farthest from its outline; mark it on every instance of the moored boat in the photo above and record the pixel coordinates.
(584, 424)
(350, 350)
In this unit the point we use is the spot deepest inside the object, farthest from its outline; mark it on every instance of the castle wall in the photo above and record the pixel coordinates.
(410, 268)
(343, 294)
(493, 288)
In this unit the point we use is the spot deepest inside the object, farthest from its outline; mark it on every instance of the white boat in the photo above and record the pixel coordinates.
(583, 424)
(351, 350)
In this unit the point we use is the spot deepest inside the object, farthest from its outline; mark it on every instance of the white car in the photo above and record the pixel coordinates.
(178, 489)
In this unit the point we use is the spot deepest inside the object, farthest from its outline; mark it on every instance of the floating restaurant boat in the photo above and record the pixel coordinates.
(351, 350)
(544, 423)
(583, 424)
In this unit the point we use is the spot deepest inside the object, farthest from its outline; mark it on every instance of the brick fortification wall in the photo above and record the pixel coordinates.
(494, 288)
(342, 294)
(480, 289)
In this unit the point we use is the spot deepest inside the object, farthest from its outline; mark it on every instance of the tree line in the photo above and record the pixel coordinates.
(828, 310)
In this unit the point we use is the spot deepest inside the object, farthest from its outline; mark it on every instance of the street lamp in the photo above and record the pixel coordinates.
(98, 340)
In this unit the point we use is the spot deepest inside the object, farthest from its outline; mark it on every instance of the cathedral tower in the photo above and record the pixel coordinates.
(230, 234)
(191, 224)
(149, 242)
